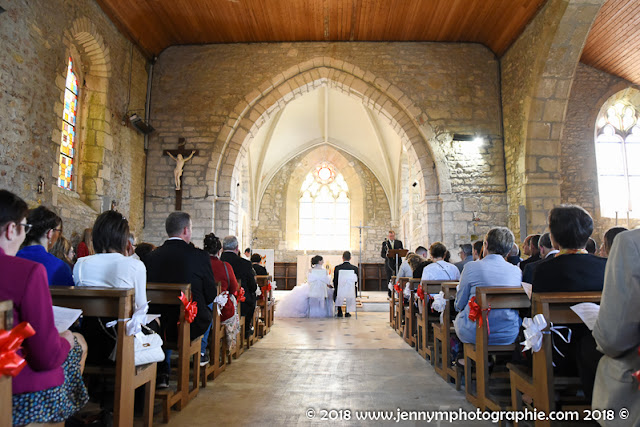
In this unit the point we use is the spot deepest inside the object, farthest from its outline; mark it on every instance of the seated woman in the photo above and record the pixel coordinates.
(111, 268)
(46, 227)
(492, 270)
(313, 298)
(85, 247)
(49, 389)
(63, 250)
(440, 269)
(223, 272)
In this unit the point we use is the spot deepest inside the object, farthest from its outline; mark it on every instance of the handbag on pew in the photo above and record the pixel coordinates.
(147, 348)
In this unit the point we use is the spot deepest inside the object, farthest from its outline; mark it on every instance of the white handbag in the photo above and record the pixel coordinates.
(147, 348)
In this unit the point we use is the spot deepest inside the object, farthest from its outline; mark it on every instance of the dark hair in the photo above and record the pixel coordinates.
(570, 226)
(143, 249)
(12, 208)
(447, 256)
(212, 244)
(477, 246)
(438, 250)
(609, 235)
(591, 246)
(346, 255)
(176, 222)
(533, 243)
(422, 251)
(545, 241)
(42, 220)
(247, 250)
(256, 258)
(110, 232)
(467, 249)
(315, 260)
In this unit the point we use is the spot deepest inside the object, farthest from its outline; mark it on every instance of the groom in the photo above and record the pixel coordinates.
(346, 265)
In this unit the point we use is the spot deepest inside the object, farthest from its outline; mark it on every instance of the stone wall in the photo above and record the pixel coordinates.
(36, 40)
(217, 96)
(591, 89)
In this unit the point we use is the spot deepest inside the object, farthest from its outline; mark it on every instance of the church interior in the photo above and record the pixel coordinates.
(317, 127)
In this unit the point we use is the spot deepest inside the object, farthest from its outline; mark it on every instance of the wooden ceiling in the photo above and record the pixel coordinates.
(155, 25)
(613, 44)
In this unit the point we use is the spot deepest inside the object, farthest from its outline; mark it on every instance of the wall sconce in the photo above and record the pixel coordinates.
(478, 139)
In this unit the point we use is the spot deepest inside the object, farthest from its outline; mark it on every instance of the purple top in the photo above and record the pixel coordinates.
(25, 283)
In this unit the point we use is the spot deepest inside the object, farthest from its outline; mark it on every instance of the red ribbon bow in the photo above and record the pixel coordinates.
(240, 294)
(397, 288)
(190, 308)
(636, 374)
(420, 292)
(11, 363)
(475, 313)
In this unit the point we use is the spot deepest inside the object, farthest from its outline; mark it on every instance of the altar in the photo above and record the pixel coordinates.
(304, 265)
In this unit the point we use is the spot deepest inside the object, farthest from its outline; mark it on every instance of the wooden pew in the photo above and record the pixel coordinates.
(539, 384)
(441, 357)
(265, 306)
(119, 304)
(392, 306)
(217, 348)
(253, 338)
(168, 294)
(6, 323)
(428, 318)
(496, 298)
(410, 315)
(240, 340)
(399, 305)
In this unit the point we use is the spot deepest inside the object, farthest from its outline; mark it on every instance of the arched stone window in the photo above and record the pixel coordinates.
(618, 160)
(68, 142)
(324, 210)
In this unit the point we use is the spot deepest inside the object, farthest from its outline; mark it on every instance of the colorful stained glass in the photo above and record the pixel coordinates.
(67, 151)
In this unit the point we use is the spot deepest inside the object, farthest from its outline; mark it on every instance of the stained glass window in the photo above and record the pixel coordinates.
(67, 146)
(324, 210)
(618, 159)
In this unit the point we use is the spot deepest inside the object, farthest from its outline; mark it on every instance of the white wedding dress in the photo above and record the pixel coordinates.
(311, 299)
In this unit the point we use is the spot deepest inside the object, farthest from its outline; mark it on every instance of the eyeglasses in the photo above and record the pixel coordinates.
(27, 227)
(59, 230)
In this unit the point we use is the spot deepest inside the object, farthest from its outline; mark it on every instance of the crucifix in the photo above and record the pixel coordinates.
(178, 156)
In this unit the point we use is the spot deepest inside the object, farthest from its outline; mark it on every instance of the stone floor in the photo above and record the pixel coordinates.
(322, 364)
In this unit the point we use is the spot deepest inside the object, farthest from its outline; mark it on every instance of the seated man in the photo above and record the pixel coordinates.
(245, 275)
(572, 270)
(466, 255)
(531, 247)
(176, 261)
(346, 265)
(255, 263)
(547, 252)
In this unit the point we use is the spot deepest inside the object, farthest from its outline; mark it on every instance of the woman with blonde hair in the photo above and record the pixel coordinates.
(63, 250)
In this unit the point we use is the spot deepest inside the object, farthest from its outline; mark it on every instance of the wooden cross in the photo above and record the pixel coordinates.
(185, 155)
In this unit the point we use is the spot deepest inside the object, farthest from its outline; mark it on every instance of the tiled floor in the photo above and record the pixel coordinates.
(322, 364)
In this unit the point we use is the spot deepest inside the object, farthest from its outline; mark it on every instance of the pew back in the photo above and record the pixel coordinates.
(6, 323)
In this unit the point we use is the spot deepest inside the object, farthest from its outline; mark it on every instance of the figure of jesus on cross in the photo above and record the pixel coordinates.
(179, 157)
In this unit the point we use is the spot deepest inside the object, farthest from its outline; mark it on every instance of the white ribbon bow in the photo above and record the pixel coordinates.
(533, 332)
(258, 291)
(439, 303)
(273, 285)
(135, 322)
(407, 291)
(221, 301)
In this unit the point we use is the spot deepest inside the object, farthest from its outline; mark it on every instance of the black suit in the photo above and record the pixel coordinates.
(344, 266)
(260, 270)
(529, 260)
(527, 273)
(574, 273)
(247, 278)
(390, 263)
(178, 262)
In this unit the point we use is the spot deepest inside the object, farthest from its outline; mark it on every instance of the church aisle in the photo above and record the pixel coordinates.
(322, 364)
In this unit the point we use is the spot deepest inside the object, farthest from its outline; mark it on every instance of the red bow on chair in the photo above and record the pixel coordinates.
(397, 288)
(240, 294)
(266, 289)
(475, 314)
(190, 307)
(636, 374)
(420, 292)
(11, 363)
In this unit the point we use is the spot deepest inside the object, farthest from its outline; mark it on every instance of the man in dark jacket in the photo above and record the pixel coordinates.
(245, 275)
(346, 265)
(531, 248)
(255, 263)
(176, 261)
(390, 263)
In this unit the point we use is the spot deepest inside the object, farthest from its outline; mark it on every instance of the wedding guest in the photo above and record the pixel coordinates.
(62, 249)
(572, 270)
(417, 264)
(447, 256)
(49, 389)
(257, 267)
(477, 250)
(514, 255)
(405, 270)
(609, 235)
(345, 266)
(592, 246)
(492, 270)
(531, 248)
(439, 269)
(244, 272)
(466, 255)
(223, 272)
(85, 247)
(617, 332)
(422, 251)
(46, 228)
(547, 252)
(247, 254)
(143, 249)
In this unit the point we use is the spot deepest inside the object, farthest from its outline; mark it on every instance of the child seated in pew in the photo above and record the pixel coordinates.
(49, 389)
(491, 270)
(572, 270)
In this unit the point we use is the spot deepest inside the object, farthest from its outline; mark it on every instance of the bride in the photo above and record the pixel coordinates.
(311, 299)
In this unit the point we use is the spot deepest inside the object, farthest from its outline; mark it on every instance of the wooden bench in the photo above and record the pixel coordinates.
(217, 348)
(392, 306)
(266, 306)
(496, 297)
(240, 340)
(410, 325)
(424, 337)
(399, 305)
(119, 304)
(6, 402)
(168, 294)
(539, 384)
(441, 356)
(253, 338)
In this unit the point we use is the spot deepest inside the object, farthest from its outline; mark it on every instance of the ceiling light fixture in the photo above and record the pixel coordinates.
(478, 139)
